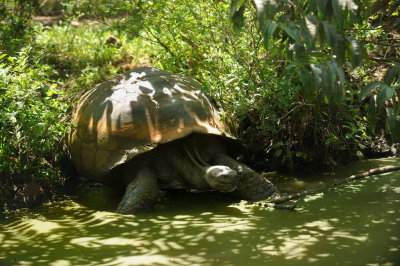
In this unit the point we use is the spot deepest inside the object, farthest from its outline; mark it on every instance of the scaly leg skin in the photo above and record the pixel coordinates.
(141, 193)
(251, 185)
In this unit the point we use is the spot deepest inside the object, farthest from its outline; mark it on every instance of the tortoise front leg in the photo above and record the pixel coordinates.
(141, 193)
(251, 185)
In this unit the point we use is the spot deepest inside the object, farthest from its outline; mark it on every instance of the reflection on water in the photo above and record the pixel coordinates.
(356, 224)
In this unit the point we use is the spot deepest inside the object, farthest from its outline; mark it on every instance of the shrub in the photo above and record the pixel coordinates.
(32, 121)
(262, 88)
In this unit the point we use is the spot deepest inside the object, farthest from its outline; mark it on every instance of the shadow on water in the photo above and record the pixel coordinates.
(294, 184)
(356, 224)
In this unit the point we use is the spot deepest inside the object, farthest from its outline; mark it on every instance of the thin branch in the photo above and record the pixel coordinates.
(382, 44)
(375, 171)
(166, 48)
(384, 60)
(360, 29)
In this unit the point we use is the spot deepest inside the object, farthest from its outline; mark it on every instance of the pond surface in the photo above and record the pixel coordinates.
(353, 224)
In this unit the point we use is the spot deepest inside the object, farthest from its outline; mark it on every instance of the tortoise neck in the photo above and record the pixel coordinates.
(192, 152)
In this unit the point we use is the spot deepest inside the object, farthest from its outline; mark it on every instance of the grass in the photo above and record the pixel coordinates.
(40, 83)
(85, 54)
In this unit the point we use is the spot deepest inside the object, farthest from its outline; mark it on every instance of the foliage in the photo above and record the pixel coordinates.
(31, 119)
(385, 94)
(311, 34)
(14, 20)
(42, 68)
(285, 88)
(288, 73)
(184, 39)
(319, 41)
(86, 54)
(277, 94)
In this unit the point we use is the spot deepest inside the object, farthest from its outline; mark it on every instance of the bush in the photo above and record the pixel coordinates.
(85, 54)
(32, 121)
(263, 95)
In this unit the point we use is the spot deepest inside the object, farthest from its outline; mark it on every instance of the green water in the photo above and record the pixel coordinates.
(353, 224)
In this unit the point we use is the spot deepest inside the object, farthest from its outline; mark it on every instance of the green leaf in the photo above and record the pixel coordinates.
(332, 71)
(340, 74)
(337, 79)
(266, 9)
(355, 51)
(316, 70)
(380, 98)
(392, 75)
(278, 153)
(300, 50)
(341, 8)
(372, 113)
(269, 29)
(393, 123)
(238, 18)
(307, 83)
(293, 34)
(367, 91)
(337, 12)
(236, 5)
(338, 93)
(335, 40)
(339, 47)
(237, 12)
(311, 24)
(389, 92)
(322, 5)
(328, 31)
(385, 92)
(326, 83)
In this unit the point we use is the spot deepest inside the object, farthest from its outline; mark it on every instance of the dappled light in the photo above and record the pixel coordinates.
(356, 224)
(294, 184)
(132, 113)
(280, 86)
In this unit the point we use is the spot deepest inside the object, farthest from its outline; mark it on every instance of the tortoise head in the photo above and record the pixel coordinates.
(222, 178)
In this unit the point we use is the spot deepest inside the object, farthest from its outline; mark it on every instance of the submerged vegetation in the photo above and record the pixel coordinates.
(306, 84)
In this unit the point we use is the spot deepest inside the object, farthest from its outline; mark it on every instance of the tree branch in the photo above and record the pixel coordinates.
(375, 171)
(382, 44)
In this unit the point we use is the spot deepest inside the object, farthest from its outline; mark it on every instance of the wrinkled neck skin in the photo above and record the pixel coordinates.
(219, 177)
(196, 162)
(173, 167)
(200, 162)
(186, 164)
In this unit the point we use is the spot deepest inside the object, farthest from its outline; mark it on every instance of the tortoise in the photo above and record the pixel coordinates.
(152, 130)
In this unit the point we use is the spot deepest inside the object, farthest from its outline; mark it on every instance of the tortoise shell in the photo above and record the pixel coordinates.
(133, 113)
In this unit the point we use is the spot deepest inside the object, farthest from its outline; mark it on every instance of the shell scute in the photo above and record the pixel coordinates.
(126, 116)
